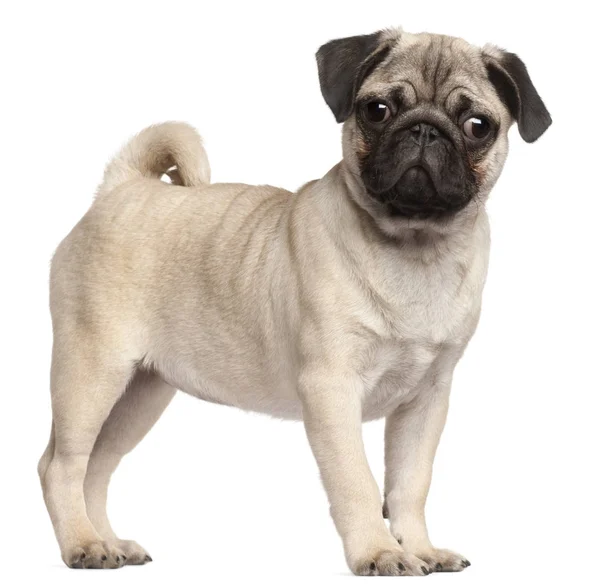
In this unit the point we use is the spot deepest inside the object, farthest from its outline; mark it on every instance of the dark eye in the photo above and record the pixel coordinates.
(477, 128)
(377, 112)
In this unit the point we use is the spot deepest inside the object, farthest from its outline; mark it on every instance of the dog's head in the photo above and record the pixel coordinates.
(426, 120)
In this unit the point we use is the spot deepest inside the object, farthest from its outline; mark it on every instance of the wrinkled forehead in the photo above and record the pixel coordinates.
(430, 68)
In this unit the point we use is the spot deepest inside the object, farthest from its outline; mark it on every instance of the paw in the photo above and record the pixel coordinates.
(390, 562)
(444, 561)
(134, 553)
(94, 555)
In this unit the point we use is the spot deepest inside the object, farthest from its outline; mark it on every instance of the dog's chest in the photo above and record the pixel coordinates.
(431, 316)
(393, 372)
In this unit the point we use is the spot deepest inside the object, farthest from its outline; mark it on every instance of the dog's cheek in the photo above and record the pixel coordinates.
(479, 170)
(362, 149)
(486, 168)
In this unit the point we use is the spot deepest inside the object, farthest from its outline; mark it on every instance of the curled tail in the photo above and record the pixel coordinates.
(154, 152)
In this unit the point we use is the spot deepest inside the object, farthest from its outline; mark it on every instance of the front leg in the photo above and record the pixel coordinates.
(412, 434)
(333, 418)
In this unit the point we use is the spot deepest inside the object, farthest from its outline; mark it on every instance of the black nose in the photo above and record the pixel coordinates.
(424, 134)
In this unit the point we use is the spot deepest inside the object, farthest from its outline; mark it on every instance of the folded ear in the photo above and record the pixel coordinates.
(509, 76)
(343, 66)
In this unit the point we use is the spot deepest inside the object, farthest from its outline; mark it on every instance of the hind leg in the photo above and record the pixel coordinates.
(86, 382)
(134, 414)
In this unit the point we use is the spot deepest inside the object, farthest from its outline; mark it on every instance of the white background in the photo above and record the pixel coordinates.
(221, 497)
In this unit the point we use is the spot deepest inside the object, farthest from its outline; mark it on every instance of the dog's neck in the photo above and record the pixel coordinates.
(425, 241)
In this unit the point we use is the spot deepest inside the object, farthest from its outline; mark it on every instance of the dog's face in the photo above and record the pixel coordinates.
(426, 121)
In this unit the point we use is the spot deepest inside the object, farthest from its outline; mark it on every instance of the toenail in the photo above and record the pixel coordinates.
(103, 557)
(425, 570)
(148, 558)
(401, 567)
(124, 558)
(82, 556)
(466, 563)
(438, 567)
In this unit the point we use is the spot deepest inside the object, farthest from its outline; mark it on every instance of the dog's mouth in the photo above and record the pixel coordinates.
(415, 195)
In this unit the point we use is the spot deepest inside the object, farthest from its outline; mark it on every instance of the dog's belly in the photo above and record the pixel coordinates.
(247, 385)
(390, 378)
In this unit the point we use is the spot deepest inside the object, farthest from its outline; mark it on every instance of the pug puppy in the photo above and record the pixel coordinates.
(351, 300)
